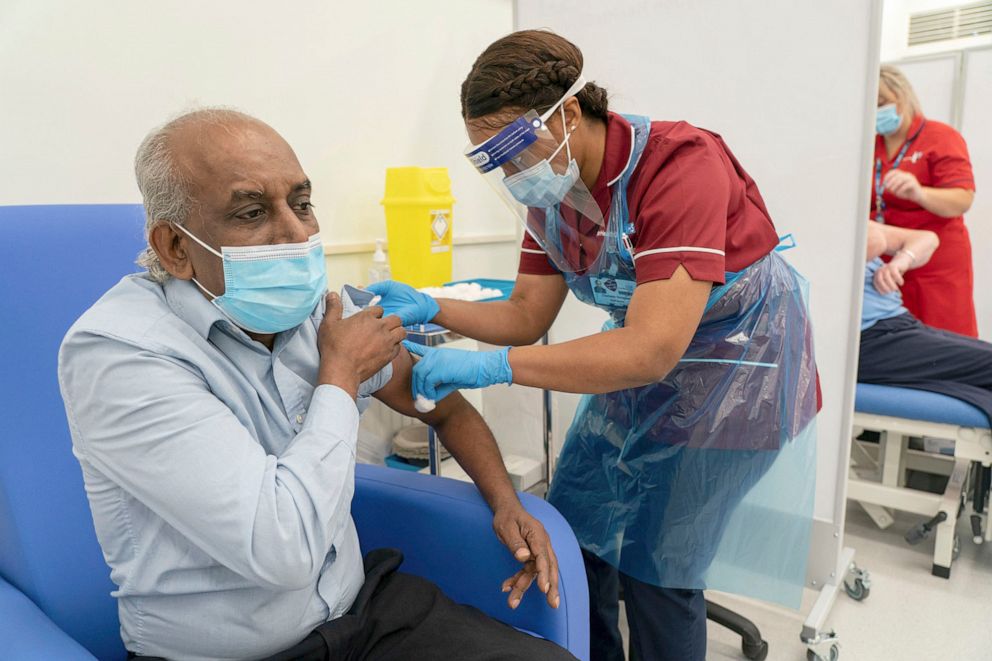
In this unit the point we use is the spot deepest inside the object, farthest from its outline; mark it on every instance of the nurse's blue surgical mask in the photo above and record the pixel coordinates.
(539, 185)
(269, 289)
(887, 119)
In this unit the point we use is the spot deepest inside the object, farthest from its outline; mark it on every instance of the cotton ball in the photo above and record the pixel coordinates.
(463, 291)
(423, 404)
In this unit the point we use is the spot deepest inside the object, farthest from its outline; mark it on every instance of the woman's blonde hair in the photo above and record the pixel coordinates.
(897, 82)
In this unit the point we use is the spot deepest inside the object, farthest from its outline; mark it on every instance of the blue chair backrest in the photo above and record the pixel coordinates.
(55, 261)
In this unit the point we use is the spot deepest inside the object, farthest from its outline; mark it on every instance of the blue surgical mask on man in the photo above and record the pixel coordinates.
(272, 288)
(539, 185)
(887, 119)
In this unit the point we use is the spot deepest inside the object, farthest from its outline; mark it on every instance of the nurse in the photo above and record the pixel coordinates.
(923, 181)
(690, 463)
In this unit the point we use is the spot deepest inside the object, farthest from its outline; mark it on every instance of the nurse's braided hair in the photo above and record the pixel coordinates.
(528, 69)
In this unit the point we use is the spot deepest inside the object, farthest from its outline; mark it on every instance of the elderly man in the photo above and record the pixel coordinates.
(214, 405)
(899, 350)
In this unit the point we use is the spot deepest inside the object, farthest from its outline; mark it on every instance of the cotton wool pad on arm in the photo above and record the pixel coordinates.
(423, 404)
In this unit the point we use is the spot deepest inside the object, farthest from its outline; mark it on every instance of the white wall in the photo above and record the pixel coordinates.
(790, 87)
(354, 87)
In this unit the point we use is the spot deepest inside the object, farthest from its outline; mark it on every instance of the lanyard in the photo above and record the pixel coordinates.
(879, 188)
(786, 242)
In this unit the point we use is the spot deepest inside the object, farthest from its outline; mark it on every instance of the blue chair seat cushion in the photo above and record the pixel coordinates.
(913, 404)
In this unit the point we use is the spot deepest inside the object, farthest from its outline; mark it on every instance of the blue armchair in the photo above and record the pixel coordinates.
(55, 588)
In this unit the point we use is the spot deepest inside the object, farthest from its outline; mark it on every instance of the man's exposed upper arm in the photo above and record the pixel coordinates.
(398, 394)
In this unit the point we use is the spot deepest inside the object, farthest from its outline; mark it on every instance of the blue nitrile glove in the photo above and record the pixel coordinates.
(411, 306)
(440, 372)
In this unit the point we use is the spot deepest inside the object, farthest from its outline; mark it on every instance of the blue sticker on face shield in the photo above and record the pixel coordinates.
(505, 145)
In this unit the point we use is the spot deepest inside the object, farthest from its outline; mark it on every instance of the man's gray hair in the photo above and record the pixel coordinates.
(165, 190)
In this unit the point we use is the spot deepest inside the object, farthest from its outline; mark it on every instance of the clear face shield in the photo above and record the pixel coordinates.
(535, 175)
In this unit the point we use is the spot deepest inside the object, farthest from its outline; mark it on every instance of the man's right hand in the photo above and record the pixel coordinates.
(889, 277)
(353, 350)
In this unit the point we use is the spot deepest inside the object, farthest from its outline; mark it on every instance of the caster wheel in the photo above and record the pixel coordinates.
(757, 652)
(956, 552)
(857, 583)
(859, 591)
(833, 655)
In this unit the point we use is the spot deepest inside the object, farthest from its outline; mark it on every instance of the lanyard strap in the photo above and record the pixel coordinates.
(879, 188)
(785, 242)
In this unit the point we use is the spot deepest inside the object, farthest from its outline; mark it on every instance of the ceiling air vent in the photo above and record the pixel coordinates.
(953, 23)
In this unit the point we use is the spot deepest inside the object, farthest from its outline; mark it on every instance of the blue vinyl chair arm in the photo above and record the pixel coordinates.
(26, 634)
(444, 529)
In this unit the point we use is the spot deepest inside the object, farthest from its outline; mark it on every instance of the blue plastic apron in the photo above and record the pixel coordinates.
(707, 478)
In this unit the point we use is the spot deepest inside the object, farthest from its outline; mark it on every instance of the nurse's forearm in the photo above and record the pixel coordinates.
(946, 202)
(499, 322)
(604, 362)
(522, 320)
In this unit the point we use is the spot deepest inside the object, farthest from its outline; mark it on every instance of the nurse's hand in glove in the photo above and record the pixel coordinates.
(440, 372)
(410, 305)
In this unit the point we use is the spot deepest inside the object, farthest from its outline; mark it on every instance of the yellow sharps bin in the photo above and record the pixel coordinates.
(418, 206)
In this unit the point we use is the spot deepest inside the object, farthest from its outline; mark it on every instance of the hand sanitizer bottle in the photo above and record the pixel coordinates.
(379, 270)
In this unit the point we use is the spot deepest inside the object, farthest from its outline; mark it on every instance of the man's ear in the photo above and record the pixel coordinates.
(168, 244)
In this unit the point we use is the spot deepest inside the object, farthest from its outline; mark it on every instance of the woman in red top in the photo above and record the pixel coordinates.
(691, 463)
(923, 181)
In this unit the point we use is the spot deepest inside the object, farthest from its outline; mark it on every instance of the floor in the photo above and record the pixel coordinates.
(910, 615)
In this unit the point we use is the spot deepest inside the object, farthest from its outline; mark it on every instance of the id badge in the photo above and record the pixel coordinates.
(611, 291)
